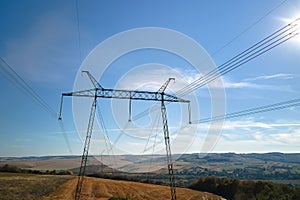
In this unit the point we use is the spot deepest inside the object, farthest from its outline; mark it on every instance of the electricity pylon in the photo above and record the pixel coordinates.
(167, 139)
(99, 92)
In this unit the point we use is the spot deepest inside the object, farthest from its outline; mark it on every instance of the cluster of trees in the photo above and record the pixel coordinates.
(234, 189)
(247, 173)
(15, 169)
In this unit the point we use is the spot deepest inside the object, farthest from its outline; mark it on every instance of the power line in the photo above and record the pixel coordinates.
(251, 111)
(106, 136)
(78, 30)
(248, 28)
(11, 75)
(275, 39)
(150, 134)
(24, 87)
(63, 130)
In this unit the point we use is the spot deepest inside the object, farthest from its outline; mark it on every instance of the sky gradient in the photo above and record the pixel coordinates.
(45, 42)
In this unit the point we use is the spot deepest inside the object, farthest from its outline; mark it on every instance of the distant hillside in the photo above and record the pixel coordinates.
(97, 169)
(188, 167)
(269, 166)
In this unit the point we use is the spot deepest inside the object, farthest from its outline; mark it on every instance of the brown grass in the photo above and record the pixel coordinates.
(53, 187)
(103, 189)
(28, 186)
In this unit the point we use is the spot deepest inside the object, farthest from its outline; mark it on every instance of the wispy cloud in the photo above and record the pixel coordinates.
(280, 140)
(250, 123)
(250, 135)
(228, 84)
(269, 133)
(249, 83)
(274, 76)
(152, 76)
(246, 135)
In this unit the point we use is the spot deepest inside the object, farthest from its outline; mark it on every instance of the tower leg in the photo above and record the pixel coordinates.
(85, 150)
(168, 150)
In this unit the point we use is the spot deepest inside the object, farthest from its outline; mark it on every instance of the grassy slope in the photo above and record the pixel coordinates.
(103, 189)
(28, 186)
(54, 187)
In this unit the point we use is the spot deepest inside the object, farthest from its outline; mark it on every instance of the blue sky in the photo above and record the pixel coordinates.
(40, 41)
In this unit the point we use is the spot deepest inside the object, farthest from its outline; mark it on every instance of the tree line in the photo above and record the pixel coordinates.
(15, 169)
(235, 189)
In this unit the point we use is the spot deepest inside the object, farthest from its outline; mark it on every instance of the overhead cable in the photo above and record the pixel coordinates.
(251, 111)
(249, 27)
(278, 37)
(275, 39)
(24, 87)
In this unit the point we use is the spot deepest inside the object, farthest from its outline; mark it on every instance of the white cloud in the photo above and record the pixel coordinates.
(274, 76)
(190, 75)
(279, 140)
(237, 136)
(247, 84)
(264, 136)
(250, 135)
(289, 138)
(228, 84)
(230, 125)
(152, 76)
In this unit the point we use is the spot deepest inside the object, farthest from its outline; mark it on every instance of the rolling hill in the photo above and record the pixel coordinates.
(278, 167)
(103, 189)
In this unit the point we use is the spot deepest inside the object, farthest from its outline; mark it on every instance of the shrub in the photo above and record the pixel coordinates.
(119, 198)
(234, 189)
(10, 168)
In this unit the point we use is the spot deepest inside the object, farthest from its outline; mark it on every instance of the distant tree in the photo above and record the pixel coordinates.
(119, 198)
(228, 187)
(63, 172)
(69, 172)
(10, 168)
(208, 184)
(234, 189)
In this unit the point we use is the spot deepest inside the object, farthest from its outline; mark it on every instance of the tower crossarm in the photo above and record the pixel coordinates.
(93, 80)
(127, 94)
(81, 93)
(165, 85)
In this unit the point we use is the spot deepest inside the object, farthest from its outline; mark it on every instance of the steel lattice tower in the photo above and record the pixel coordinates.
(99, 92)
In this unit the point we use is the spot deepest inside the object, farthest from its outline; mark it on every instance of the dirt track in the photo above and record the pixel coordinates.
(103, 189)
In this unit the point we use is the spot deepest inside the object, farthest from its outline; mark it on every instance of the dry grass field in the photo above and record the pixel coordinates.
(16, 186)
(103, 189)
(57, 187)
